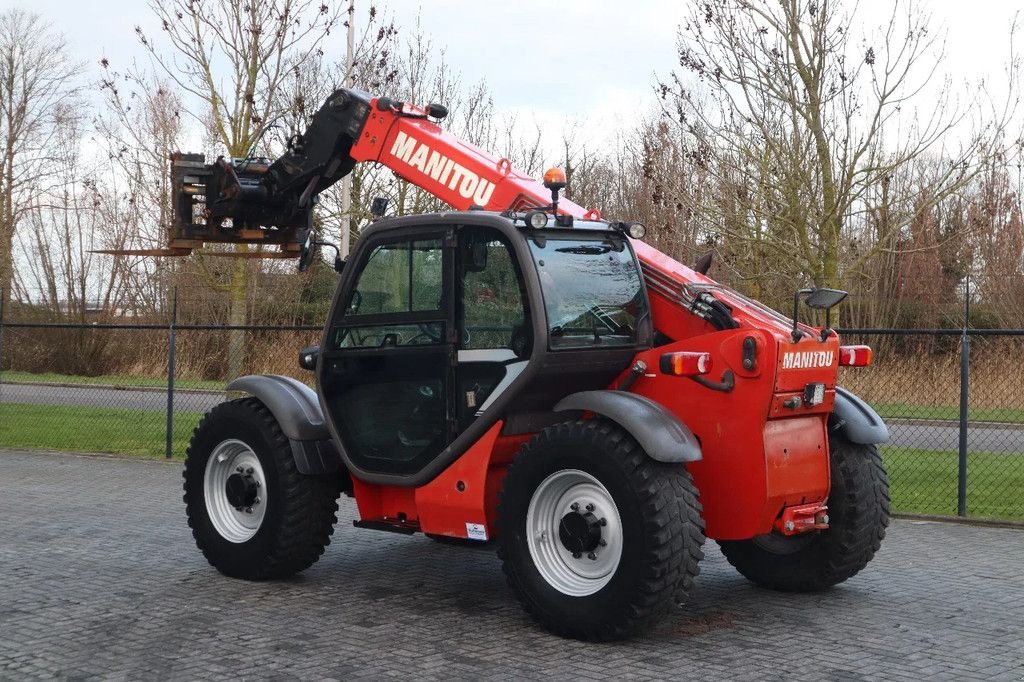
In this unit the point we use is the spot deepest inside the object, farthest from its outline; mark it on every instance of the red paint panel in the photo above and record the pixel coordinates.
(750, 464)
(730, 426)
(459, 494)
(389, 502)
(796, 458)
(809, 361)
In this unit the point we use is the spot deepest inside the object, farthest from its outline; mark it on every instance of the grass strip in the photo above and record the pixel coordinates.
(76, 428)
(122, 380)
(949, 413)
(925, 482)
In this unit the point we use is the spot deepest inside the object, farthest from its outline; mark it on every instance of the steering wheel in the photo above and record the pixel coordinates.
(520, 341)
(355, 302)
(426, 332)
(420, 429)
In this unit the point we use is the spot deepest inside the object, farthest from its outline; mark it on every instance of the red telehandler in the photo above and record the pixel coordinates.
(522, 371)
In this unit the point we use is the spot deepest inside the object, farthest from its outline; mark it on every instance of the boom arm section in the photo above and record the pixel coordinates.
(271, 203)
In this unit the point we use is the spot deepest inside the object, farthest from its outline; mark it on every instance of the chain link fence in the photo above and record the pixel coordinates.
(954, 404)
(55, 393)
(141, 386)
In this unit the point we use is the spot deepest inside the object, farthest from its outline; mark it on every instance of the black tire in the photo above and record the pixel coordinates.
(661, 531)
(858, 509)
(300, 510)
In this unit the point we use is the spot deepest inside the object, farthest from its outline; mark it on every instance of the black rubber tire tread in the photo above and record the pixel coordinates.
(295, 531)
(858, 509)
(659, 571)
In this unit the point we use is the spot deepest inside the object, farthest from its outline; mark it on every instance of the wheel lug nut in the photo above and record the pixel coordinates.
(239, 469)
(258, 484)
(603, 543)
(576, 555)
(591, 556)
(256, 501)
(590, 507)
(603, 521)
(249, 470)
(248, 510)
(575, 506)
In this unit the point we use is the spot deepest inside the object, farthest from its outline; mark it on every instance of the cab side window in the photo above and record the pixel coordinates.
(494, 311)
(493, 318)
(402, 279)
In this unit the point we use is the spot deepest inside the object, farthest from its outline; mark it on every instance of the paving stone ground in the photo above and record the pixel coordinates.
(99, 577)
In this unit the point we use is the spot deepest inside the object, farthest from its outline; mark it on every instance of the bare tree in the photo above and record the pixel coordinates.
(800, 120)
(66, 222)
(140, 128)
(36, 80)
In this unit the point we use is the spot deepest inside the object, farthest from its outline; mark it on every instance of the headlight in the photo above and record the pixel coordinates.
(537, 219)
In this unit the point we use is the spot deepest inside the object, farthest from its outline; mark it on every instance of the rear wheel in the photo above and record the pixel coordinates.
(597, 539)
(252, 514)
(858, 509)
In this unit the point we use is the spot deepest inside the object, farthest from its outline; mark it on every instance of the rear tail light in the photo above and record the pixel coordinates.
(855, 356)
(686, 364)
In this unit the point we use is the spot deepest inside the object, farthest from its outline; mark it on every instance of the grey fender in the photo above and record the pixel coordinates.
(297, 411)
(856, 420)
(659, 432)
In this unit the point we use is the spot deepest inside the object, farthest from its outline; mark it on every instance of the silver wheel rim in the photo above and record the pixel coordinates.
(233, 524)
(562, 493)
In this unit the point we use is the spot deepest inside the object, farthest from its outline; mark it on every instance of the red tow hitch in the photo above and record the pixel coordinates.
(802, 518)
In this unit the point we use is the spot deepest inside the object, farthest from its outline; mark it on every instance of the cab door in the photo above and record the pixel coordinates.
(389, 361)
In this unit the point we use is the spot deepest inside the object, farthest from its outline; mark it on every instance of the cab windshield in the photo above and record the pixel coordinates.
(593, 294)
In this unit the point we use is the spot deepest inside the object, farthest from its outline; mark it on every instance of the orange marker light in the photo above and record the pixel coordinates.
(855, 356)
(685, 364)
(554, 177)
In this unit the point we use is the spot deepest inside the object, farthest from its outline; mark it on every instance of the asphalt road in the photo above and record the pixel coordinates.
(134, 399)
(929, 436)
(99, 578)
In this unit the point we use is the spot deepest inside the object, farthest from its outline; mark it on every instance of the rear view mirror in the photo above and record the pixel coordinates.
(307, 252)
(310, 251)
(823, 299)
(308, 357)
(819, 299)
(703, 263)
(476, 258)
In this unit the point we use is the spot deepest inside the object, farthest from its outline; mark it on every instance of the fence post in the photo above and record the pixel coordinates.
(171, 358)
(965, 378)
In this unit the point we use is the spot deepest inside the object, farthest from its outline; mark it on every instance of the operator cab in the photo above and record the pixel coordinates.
(443, 324)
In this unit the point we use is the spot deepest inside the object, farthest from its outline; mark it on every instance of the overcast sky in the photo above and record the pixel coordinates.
(587, 61)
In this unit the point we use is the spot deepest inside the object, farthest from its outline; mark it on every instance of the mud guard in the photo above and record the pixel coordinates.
(856, 420)
(659, 432)
(297, 411)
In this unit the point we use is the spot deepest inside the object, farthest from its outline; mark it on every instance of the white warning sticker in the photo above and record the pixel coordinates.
(476, 531)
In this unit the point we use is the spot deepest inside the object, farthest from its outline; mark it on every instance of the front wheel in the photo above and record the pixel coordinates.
(858, 509)
(253, 515)
(597, 539)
